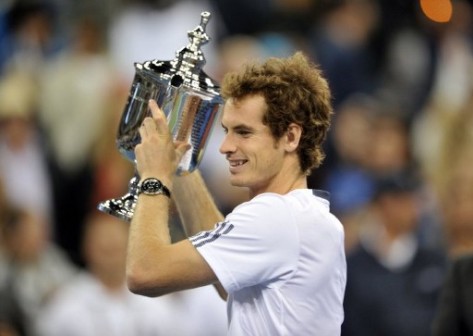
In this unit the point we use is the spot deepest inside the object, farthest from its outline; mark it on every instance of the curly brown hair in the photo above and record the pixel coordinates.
(295, 92)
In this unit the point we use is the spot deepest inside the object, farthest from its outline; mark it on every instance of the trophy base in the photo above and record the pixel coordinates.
(123, 207)
(117, 208)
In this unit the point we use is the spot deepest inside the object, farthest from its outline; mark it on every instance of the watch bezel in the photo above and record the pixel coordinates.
(153, 186)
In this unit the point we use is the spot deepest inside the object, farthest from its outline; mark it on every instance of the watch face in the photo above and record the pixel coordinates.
(151, 186)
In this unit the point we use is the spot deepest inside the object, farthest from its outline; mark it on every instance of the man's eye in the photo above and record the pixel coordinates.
(242, 132)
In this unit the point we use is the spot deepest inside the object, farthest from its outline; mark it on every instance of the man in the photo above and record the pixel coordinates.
(394, 278)
(280, 256)
(96, 302)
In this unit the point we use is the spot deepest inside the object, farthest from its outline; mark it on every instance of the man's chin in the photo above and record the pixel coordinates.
(236, 182)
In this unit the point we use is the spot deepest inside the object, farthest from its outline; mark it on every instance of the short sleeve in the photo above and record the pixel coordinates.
(257, 243)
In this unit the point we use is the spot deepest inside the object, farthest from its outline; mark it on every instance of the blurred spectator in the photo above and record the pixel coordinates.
(33, 269)
(453, 182)
(340, 43)
(456, 205)
(196, 312)
(28, 37)
(453, 83)
(369, 139)
(393, 281)
(345, 173)
(11, 318)
(390, 151)
(407, 49)
(76, 99)
(247, 17)
(97, 301)
(352, 129)
(452, 86)
(390, 147)
(23, 166)
(454, 315)
(234, 51)
(112, 171)
(407, 70)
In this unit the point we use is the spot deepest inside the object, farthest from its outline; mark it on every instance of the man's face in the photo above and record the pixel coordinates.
(255, 158)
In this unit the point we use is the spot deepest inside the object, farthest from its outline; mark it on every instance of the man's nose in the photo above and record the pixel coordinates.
(227, 145)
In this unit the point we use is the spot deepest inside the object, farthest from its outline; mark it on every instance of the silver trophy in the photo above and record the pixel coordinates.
(190, 100)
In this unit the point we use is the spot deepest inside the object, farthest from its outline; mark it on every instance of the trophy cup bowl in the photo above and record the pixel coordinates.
(188, 97)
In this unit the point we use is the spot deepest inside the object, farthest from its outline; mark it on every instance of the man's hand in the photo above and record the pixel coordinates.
(158, 155)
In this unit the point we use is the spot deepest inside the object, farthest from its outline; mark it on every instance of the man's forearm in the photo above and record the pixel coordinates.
(148, 234)
(196, 207)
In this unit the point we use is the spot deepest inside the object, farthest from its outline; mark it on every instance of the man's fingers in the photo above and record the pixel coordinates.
(158, 117)
(159, 123)
(156, 111)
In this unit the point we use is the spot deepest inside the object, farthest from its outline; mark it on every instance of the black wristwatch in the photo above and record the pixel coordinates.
(153, 186)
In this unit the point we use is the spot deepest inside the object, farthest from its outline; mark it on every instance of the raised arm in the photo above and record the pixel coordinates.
(154, 265)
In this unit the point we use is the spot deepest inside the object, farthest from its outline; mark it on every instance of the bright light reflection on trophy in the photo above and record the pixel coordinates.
(190, 100)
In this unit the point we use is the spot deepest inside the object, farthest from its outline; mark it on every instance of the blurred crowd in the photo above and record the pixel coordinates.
(398, 163)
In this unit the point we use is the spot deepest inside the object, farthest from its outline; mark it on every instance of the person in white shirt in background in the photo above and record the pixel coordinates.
(97, 301)
(32, 268)
(23, 166)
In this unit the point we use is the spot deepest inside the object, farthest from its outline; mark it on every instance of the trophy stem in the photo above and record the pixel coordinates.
(123, 207)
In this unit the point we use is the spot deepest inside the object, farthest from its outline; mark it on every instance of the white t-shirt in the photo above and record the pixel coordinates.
(281, 259)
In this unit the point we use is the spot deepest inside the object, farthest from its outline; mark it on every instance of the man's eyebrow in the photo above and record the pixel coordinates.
(239, 127)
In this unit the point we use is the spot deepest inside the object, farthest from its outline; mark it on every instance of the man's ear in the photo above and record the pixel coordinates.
(293, 137)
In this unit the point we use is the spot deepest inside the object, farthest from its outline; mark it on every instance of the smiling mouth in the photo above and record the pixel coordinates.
(236, 163)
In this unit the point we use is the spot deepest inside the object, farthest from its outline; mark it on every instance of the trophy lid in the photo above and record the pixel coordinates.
(187, 66)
